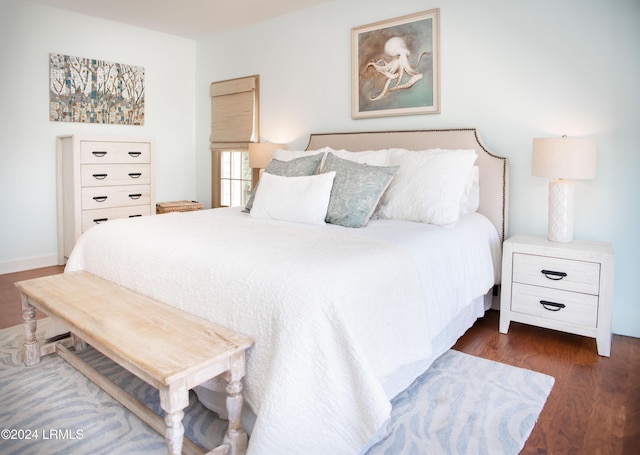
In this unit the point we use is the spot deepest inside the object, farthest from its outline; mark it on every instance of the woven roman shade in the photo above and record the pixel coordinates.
(235, 113)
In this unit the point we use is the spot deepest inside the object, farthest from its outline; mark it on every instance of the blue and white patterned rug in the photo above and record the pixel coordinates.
(466, 405)
(461, 405)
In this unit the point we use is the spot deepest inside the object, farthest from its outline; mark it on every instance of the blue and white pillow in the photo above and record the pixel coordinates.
(357, 188)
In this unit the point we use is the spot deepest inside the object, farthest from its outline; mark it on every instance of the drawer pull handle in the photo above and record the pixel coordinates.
(135, 154)
(135, 196)
(100, 198)
(99, 176)
(135, 175)
(555, 276)
(99, 153)
(134, 216)
(552, 306)
(100, 220)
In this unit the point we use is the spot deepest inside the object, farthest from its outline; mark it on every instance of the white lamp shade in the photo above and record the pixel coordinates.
(564, 158)
(260, 154)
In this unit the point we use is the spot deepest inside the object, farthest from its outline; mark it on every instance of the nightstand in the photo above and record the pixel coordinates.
(560, 286)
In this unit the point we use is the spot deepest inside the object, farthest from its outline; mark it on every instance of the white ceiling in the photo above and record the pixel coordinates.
(193, 19)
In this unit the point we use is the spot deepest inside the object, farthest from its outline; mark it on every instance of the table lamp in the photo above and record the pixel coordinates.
(260, 154)
(563, 159)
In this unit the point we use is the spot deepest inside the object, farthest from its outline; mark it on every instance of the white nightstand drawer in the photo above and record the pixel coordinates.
(115, 174)
(569, 307)
(114, 152)
(557, 273)
(115, 196)
(92, 218)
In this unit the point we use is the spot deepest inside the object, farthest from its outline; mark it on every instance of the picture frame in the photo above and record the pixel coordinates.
(395, 66)
(89, 90)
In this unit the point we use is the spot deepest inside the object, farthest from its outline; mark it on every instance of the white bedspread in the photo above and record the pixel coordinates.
(333, 311)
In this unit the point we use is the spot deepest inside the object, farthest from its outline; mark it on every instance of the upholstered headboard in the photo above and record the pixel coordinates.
(494, 170)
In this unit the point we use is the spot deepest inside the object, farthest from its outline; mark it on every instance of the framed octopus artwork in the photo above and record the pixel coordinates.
(395, 66)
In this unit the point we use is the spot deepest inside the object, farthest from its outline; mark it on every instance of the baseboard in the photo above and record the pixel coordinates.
(28, 264)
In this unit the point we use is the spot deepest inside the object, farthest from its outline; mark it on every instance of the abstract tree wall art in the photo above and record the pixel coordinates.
(86, 90)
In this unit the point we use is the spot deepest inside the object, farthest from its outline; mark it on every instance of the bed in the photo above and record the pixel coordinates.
(343, 318)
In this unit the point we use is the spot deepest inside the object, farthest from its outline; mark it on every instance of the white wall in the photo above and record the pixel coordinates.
(28, 33)
(514, 70)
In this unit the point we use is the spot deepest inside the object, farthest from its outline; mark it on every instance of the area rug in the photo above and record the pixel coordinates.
(461, 405)
(465, 405)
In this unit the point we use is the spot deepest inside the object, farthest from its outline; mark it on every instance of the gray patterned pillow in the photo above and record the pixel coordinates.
(357, 188)
(298, 167)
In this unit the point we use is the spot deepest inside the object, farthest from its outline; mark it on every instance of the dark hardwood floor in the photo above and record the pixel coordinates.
(593, 409)
(10, 306)
(594, 406)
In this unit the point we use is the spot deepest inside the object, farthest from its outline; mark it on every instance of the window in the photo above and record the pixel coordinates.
(234, 124)
(235, 178)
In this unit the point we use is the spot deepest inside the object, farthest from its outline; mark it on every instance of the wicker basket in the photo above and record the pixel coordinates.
(178, 206)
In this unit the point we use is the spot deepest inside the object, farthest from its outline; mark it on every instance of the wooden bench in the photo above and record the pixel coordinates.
(169, 349)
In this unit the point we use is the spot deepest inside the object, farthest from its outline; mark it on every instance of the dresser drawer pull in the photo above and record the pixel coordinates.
(100, 220)
(99, 153)
(552, 306)
(135, 196)
(99, 176)
(135, 175)
(134, 216)
(555, 276)
(135, 154)
(100, 198)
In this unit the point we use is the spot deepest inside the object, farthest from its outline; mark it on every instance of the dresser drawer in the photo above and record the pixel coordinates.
(92, 218)
(579, 309)
(557, 273)
(115, 174)
(114, 152)
(115, 196)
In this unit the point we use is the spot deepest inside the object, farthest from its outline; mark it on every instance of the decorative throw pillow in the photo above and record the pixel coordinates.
(288, 155)
(428, 187)
(357, 188)
(296, 199)
(371, 157)
(306, 165)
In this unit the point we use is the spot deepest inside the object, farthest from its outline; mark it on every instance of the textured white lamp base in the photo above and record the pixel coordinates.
(561, 211)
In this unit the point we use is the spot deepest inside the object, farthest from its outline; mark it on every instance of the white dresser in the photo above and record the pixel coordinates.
(561, 286)
(101, 178)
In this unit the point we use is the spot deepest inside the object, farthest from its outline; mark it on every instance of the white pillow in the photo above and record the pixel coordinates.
(370, 157)
(428, 187)
(297, 199)
(471, 197)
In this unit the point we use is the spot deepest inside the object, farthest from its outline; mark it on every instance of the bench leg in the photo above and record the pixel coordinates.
(31, 346)
(78, 343)
(173, 401)
(236, 436)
